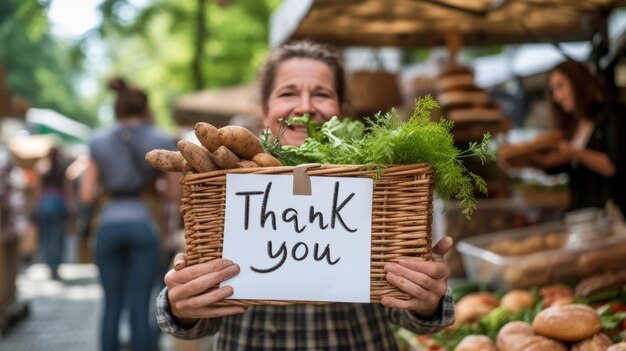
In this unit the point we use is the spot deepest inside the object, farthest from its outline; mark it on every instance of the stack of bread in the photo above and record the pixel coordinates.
(561, 325)
(466, 104)
(521, 153)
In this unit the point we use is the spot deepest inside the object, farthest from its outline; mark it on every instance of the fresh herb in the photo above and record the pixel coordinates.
(386, 140)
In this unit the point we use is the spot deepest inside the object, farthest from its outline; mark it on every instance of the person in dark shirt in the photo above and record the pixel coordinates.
(592, 152)
(298, 78)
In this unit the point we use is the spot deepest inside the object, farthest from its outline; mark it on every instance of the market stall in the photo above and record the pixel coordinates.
(12, 220)
(519, 244)
(218, 106)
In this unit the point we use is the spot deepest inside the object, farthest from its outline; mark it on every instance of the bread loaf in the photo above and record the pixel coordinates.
(537, 343)
(516, 300)
(511, 333)
(519, 336)
(599, 342)
(476, 343)
(473, 306)
(567, 322)
(618, 347)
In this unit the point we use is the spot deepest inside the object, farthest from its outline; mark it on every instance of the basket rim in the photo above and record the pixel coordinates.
(310, 171)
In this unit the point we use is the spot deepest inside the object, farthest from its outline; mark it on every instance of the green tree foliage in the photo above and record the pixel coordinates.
(40, 68)
(170, 49)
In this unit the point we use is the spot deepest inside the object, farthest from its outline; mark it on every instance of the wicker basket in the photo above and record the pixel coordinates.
(401, 217)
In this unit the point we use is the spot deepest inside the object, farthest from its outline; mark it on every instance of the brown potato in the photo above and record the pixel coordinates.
(246, 164)
(186, 167)
(224, 158)
(165, 160)
(207, 135)
(241, 141)
(197, 156)
(266, 160)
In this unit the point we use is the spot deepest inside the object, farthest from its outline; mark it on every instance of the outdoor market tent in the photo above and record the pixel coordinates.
(217, 106)
(426, 23)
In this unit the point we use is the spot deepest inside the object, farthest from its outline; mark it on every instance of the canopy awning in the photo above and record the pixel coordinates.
(217, 106)
(48, 121)
(426, 23)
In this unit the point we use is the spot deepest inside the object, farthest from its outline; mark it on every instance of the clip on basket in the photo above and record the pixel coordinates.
(401, 217)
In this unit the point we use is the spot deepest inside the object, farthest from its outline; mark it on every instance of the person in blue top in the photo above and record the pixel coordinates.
(298, 78)
(127, 237)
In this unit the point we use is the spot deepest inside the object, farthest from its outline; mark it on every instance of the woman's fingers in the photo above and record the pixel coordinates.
(180, 261)
(199, 278)
(201, 306)
(442, 247)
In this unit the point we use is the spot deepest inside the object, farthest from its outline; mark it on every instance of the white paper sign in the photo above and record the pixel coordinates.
(298, 247)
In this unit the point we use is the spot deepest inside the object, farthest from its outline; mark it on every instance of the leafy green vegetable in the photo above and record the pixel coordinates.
(387, 140)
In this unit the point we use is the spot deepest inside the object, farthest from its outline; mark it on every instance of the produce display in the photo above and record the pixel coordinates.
(553, 317)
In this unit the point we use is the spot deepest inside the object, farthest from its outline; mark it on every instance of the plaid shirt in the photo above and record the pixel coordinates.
(339, 326)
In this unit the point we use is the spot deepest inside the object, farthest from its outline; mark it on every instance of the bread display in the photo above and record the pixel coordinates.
(520, 154)
(469, 106)
(568, 323)
(539, 255)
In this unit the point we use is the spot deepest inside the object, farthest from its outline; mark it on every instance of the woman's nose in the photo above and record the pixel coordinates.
(304, 105)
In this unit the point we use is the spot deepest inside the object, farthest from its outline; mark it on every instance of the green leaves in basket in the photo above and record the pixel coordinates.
(386, 139)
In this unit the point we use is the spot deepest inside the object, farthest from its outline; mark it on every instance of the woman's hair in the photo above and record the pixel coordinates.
(588, 95)
(130, 101)
(307, 50)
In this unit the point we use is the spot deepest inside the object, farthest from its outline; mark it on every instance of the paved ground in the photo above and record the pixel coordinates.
(63, 316)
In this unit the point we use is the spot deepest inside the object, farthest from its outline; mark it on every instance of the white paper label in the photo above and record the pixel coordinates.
(298, 247)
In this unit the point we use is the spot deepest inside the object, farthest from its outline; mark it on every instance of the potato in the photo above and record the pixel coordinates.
(246, 164)
(197, 156)
(266, 160)
(207, 135)
(241, 141)
(225, 158)
(165, 160)
(186, 167)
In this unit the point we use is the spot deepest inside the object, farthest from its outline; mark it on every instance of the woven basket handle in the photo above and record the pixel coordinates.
(301, 180)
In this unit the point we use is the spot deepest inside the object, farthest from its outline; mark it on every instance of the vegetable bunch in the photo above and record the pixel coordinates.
(385, 140)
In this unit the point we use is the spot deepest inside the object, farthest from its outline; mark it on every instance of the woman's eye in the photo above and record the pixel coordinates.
(286, 93)
(322, 94)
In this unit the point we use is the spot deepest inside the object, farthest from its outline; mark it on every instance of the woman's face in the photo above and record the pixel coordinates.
(562, 91)
(300, 86)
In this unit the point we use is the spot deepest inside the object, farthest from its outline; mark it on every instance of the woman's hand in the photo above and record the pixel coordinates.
(562, 154)
(425, 281)
(188, 288)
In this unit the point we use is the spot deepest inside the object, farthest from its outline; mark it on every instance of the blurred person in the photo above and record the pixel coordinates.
(299, 78)
(54, 208)
(82, 226)
(593, 150)
(127, 245)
